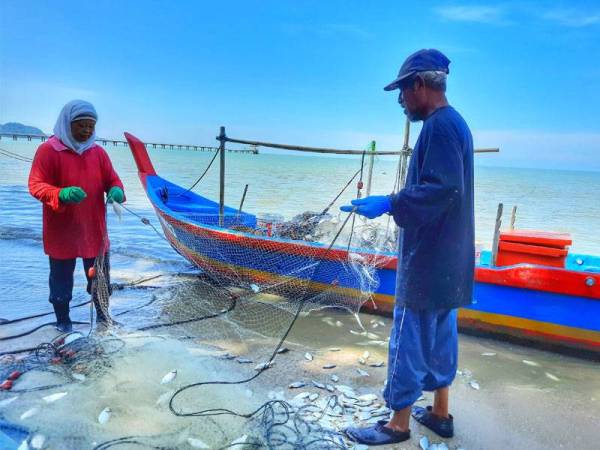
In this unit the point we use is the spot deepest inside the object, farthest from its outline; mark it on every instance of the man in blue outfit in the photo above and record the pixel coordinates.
(435, 253)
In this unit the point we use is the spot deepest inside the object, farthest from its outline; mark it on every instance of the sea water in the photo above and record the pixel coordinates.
(288, 185)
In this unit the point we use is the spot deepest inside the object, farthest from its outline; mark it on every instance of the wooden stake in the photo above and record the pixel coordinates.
(497, 234)
(222, 138)
(513, 217)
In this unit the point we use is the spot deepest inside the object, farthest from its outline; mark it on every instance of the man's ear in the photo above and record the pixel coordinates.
(418, 83)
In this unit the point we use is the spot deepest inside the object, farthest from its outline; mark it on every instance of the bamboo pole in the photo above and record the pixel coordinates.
(405, 153)
(242, 202)
(222, 138)
(496, 240)
(513, 217)
(371, 163)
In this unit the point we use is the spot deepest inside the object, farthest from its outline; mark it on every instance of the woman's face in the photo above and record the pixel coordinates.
(82, 130)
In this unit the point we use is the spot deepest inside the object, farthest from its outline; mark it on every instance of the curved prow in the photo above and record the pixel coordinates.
(140, 154)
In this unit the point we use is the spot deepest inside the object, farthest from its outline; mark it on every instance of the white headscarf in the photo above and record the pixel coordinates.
(71, 111)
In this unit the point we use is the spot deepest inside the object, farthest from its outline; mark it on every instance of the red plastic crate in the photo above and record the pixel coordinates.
(542, 238)
(511, 253)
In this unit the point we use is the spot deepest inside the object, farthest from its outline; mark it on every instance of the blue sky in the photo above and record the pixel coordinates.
(526, 75)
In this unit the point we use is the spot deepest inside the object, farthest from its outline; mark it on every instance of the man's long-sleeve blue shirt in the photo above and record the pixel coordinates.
(435, 213)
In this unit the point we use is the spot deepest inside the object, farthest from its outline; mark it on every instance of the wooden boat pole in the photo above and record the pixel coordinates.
(222, 138)
(371, 163)
(242, 202)
(405, 153)
(495, 242)
(513, 217)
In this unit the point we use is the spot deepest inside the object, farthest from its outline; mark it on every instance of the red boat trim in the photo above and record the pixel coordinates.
(547, 279)
(299, 249)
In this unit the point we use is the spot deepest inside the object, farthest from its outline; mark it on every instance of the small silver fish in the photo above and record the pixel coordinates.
(368, 398)
(196, 443)
(552, 377)
(255, 288)
(334, 349)
(308, 356)
(117, 210)
(440, 446)
(377, 364)
(424, 443)
(335, 378)
(362, 373)
(312, 397)
(283, 350)
(37, 441)
(263, 366)
(362, 361)
(366, 354)
(239, 441)
(318, 385)
(488, 354)
(339, 323)
(104, 415)
(72, 337)
(329, 366)
(244, 361)
(164, 398)
(78, 376)
(8, 401)
(296, 385)
(330, 388)
(29, 413)
(365, 415)
(474, 384)
(530, 363)
(54, 397)
(169, 377)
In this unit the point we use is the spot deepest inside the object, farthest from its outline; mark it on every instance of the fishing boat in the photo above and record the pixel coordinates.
(531, 290)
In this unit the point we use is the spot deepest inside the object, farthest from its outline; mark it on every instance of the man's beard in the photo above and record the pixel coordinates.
(413, 117)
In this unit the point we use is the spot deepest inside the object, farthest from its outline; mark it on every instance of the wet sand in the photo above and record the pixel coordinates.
(527, 399)
(549, 401)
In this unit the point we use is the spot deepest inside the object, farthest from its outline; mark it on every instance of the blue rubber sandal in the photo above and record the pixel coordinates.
(377, 434)
(443, 427)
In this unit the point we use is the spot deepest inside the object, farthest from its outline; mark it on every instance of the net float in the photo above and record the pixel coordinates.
(7, 385)
(14, 375)
(92, 272)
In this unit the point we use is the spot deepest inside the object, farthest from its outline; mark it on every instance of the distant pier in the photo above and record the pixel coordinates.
(115, 143)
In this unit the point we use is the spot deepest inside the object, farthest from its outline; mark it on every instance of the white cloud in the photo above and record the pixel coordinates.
(572, 18)
(476, 13)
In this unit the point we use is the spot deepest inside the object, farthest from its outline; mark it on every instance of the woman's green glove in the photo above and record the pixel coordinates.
(115, 195)
(71, 194)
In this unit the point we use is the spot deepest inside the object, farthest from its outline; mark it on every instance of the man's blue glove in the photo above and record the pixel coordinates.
(370, 207)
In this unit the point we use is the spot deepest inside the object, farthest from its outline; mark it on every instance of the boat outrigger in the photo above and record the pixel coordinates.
(530, 290)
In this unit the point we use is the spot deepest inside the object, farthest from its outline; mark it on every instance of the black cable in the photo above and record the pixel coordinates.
(201, 176)
(222, 411)
(33, 330)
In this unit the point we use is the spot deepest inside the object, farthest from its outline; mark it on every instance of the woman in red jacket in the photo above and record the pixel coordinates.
(70, 175)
